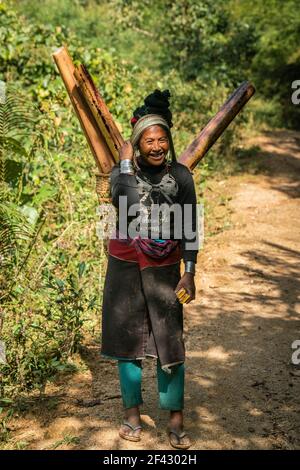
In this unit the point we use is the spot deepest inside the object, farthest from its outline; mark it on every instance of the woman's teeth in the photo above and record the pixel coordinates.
(157, 155)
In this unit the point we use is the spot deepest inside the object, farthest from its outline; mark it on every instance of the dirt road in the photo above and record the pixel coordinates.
(242, 390)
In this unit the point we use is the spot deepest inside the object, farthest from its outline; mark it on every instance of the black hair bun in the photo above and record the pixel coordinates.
(156, 103)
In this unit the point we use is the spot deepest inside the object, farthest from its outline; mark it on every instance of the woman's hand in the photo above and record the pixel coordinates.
(126, 151)
(186, 286)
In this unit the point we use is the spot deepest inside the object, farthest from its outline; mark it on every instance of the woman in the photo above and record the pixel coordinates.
(144, 292)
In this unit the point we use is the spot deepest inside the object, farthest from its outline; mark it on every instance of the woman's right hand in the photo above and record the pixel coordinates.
(126, 151)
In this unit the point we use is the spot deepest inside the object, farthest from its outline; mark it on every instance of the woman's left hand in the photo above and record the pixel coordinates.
(187, 283)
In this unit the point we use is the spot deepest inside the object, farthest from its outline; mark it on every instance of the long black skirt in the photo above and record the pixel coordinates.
(141, 314)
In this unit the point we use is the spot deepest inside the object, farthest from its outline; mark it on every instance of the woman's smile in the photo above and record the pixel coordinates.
(154, 145)
(157, 155)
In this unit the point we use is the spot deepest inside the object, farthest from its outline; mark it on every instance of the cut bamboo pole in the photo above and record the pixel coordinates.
(216, 126)
(99, 109)
(98, 146)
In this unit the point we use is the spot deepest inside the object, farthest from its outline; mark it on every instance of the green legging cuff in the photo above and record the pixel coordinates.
(170, 385)
(130, 373)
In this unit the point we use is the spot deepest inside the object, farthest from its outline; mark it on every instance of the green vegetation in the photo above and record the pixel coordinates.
(52, 262)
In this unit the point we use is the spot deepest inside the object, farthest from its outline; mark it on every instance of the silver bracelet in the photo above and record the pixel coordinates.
(126, 167)
(190, 267)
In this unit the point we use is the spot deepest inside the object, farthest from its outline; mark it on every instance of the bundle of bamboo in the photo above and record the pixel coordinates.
(96, 121)
(103, 135)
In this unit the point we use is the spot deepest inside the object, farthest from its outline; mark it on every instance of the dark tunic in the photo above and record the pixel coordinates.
(159, 185)
(141, 313)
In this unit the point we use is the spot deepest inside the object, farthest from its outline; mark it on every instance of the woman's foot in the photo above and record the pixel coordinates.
(177, 436)
(131, 427)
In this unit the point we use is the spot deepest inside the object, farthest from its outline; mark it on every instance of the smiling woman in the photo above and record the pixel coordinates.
(154, 145)
(144, 291)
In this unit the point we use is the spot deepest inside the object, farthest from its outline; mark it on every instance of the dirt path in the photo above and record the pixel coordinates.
(242, 391)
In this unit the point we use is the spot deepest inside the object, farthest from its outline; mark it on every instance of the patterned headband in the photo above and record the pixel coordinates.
(143, 123)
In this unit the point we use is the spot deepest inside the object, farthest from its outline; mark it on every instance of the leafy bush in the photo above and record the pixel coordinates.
(42, 337)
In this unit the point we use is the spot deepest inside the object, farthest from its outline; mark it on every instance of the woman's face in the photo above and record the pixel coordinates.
(154, 145)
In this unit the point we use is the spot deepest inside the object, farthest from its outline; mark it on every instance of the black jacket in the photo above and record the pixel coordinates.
(166, 184)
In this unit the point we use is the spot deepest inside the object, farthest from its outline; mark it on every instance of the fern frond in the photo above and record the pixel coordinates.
(14, 231)
(18, 118)
(18, 228)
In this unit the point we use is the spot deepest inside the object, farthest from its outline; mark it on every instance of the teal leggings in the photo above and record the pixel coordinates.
(170, 386)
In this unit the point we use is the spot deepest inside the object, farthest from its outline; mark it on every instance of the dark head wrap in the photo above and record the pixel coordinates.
(155, 103)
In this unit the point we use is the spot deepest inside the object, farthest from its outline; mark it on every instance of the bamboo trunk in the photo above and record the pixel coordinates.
(96, 141)
(100, 111)
(216, 126)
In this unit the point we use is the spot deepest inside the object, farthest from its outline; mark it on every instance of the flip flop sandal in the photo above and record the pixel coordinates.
(179, 436)
(127, 436)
